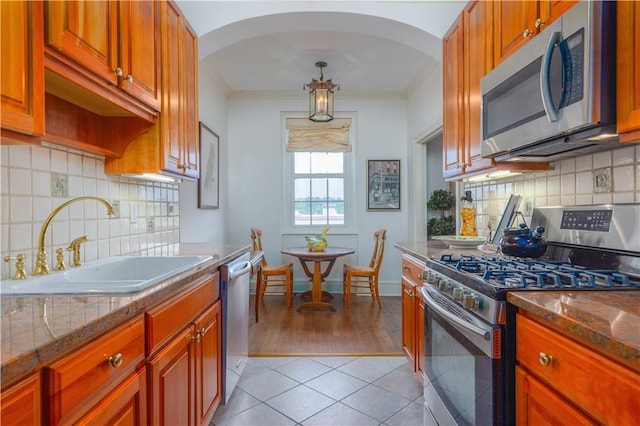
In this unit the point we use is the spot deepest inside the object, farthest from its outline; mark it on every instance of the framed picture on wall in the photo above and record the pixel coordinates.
(209, 182)
(383, 185)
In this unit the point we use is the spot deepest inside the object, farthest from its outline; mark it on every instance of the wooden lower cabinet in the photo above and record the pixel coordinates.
(21, 404)
(412, 312)
(208, 363)
(560, 381)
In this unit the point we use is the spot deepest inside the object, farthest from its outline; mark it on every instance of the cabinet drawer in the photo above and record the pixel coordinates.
(606, 390)
(79, 380)
(168, 318)
(411, 269)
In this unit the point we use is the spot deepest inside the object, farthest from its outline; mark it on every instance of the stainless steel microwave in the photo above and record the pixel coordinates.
(556, 96)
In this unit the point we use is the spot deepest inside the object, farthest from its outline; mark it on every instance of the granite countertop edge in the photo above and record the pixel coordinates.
(17, 366)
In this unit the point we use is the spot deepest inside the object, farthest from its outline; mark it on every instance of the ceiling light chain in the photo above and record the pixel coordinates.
(321, 97)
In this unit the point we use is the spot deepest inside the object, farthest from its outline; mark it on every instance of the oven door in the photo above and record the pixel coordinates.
(463, 371)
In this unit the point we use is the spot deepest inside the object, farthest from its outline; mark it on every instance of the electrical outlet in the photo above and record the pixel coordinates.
(59, 185)
(151, 225)
(116, 208)
(528, 206)
(602, 180)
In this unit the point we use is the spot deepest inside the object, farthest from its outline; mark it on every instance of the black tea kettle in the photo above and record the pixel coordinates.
(523, 242)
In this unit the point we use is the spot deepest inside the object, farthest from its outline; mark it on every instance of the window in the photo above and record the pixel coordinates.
(318, 188)
(318, 183)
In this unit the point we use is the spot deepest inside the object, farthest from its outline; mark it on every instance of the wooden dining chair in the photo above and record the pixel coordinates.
(271, 278)
(364, 279)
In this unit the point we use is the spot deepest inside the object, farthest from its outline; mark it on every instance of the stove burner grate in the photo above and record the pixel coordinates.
(512, 272)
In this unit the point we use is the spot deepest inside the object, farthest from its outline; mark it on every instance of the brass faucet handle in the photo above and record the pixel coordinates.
(59, 260)
(20, 271)
(75, 248)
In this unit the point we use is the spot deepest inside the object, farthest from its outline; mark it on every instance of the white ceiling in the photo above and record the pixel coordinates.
(371, 47)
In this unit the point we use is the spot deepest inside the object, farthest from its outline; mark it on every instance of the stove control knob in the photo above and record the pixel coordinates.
(442, 284)
(457, 294)
(470, 301)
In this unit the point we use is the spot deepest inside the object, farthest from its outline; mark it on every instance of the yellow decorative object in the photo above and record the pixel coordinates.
(317, 242)
(468, 214)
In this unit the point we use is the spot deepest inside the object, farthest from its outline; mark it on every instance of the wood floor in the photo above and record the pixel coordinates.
(363, 329)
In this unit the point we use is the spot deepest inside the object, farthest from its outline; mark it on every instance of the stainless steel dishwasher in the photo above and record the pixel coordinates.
(234, 290)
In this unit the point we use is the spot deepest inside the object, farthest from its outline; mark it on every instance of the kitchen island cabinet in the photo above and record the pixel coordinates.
(577, 355)
(628, 71)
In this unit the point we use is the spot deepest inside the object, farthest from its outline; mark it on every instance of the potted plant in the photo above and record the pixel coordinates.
(443, 201)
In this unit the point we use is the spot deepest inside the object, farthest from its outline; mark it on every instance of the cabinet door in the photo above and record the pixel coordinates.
(453, 109)
(191, 145)
(20, 405)
(550, 10)
(125, 405)
(419, 334)
(208, 363)
(172, 376)
(478, 60)
(22, 76)
(628, 71)
(538, 405)
(139, 56)
(514, 26)
(87, 33)
(409, 321)
(172, 130)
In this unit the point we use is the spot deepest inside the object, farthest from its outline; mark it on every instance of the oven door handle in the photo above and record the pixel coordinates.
(486, 335)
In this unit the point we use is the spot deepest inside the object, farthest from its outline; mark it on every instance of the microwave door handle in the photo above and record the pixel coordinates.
(545, 81)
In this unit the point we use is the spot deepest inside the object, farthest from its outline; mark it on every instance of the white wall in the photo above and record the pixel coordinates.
(207, 225)
(255, 180)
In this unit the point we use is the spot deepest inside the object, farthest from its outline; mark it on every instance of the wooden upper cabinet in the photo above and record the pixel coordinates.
(628, 70)
(22, 76)
(104, 55)
(453, 112)
(171, 146)
(478, 59)
(517, 22)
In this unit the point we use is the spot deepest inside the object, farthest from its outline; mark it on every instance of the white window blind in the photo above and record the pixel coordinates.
(308, 136)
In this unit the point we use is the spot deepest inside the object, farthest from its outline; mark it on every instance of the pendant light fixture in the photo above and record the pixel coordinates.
(321, 97)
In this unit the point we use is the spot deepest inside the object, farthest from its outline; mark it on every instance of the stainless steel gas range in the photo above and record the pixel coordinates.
(469, 336)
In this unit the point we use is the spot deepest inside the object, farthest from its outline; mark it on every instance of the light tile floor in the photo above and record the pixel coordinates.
(325, 391)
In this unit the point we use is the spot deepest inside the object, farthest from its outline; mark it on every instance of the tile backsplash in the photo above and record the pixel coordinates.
(35, 180)
(600, 178)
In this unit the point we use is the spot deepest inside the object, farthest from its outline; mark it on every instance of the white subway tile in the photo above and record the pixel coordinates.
(75, 164)
(584, 199)
(601, 159)
(41, 183)
(568, 200)
(553, 201)
(568, 165)
(541, 187)
(623, 179)
(623, 197)
(4, 180)
(41, 208)
(568, 184)
(4, 211)
(584, 163)
(21, 209)
(59, 161)
(602, 198)
(584, 183)
(20, 238)
(40, 158)
(553, 185)
(20, 156)
(4, 155)
(19, 181)
(89, 166)
(624, 156)
(75, 186)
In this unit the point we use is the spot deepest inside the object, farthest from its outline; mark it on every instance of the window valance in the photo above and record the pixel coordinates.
(308, 136)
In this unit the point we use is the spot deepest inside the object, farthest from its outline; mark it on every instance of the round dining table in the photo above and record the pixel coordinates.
(328, 256)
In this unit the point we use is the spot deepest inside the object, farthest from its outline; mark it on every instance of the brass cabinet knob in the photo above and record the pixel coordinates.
(129, 78)
(539, 22)
(202, 331)
(526, 33)
(116, 360)
(545, 359)
(119, 72)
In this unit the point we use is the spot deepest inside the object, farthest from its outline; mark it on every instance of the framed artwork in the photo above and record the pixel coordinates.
(383, 185)
(209, 182)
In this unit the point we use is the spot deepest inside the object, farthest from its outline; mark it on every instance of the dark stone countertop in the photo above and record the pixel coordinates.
(36, 330)
(607, 321)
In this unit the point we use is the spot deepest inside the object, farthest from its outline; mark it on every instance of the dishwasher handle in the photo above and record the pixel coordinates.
(238, 269)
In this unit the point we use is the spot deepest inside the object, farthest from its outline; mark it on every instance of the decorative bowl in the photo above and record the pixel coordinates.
(459, 241)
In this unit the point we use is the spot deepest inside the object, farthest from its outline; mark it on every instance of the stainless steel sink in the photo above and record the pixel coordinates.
(125, 274)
